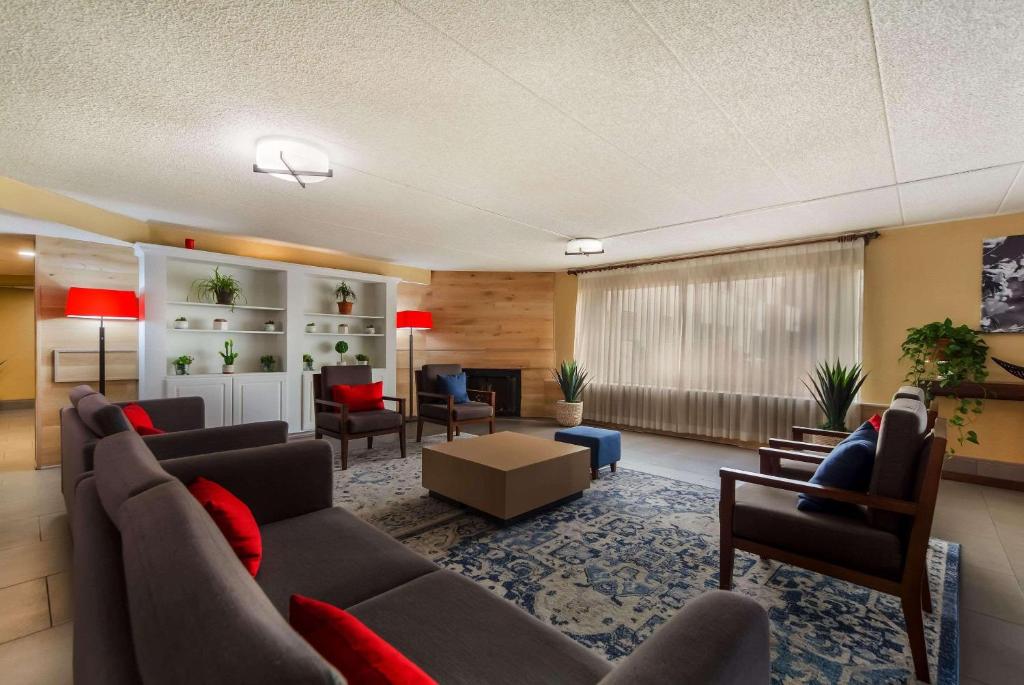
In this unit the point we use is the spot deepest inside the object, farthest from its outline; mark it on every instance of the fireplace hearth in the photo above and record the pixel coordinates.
(505, 383)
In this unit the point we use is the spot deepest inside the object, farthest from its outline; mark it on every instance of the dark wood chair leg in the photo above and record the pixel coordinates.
(911, 602)
(419, 430)
(926, 595)
(725, 562)
(369, 443)
(593, 474)
(401, 438)
(490, 426)
(344, 453)
(726, 552)
(458, 430)
(451, 430)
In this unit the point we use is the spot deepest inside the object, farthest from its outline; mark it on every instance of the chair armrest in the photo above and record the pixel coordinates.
(784, 444)
(719, 638)
(399, 400)
(329, 403)
(800, 431)
(173, 414)
(488, 395)
(276, 482)
(771, 457)
(731, 476)
(206, 440)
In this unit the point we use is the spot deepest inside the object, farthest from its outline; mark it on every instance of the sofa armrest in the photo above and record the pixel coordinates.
(173, 414)
(205, 440)
(276, 482)
(719, 638)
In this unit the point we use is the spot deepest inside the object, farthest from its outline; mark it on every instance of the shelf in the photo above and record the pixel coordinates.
(211, 330)
(1013, 392)
(227, 306)
(343, 316)
(349, 335)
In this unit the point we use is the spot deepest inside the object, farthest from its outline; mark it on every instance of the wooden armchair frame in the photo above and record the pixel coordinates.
(453, 427)
(343, 436)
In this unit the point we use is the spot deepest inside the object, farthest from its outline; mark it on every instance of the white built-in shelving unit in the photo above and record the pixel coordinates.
(288, 295)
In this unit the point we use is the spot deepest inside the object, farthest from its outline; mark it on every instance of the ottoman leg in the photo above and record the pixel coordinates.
(593, 474)
(613, 466)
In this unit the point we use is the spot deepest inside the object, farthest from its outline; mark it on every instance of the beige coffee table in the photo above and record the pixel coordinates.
(506, 474)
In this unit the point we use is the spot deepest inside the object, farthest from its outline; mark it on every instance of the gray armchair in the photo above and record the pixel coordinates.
(335, 419)
(441, 408)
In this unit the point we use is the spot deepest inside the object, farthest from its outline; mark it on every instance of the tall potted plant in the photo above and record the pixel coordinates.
(572, 379)
(219, 288)
(947, 356)
(346, 296)
(229, 356)
(834, 387)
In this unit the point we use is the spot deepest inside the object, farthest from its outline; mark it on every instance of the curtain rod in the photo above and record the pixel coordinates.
(866, 236)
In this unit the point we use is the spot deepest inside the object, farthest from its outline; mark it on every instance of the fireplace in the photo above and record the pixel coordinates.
(505, 383)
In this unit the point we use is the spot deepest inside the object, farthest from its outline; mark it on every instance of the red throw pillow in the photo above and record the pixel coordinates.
(876, 422)
(360, 397)
(362, 656)
(140, 420)
(233, 518)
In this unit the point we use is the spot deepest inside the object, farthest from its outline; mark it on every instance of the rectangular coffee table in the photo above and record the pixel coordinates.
(506, 474)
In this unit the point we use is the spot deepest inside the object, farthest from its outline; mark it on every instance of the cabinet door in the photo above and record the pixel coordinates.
(260, 397)
(215, 391)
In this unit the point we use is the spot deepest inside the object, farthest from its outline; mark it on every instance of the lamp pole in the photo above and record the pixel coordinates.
(412, 391)
(103, 358)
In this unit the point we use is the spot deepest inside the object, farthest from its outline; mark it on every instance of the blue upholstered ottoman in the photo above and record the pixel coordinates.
(605, 445)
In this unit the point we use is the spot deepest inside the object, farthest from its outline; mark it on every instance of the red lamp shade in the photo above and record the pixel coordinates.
(411, 318)
(95, 303)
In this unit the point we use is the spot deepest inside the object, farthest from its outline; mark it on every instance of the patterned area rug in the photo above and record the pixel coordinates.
(609, 568)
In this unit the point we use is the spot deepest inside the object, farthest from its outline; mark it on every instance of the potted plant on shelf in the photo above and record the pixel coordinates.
(269, 326)
(341, 347)
(346, 296)
(311, 328)
(229, 356)
(307, 362)
(370, 329)
(220, 324)
(342, 329)
(362, 359)
(267, 362)
(834, 387)
(572, 379)
(181, 322)
(181, 365)
(945, 356)
(219, 288)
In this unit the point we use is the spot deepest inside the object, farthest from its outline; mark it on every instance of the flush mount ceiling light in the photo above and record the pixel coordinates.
(291, 160)
(584, 246)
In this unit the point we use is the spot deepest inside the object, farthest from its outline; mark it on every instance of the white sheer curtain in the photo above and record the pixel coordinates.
(717, 346)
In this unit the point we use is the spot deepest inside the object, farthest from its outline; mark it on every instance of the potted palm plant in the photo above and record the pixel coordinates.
(341, 347)
(219, 288)
(229, 356)
(834, 387)
(572, 379)
(346, 296)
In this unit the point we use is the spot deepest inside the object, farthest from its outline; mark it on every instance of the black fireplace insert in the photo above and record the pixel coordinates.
(506, 385)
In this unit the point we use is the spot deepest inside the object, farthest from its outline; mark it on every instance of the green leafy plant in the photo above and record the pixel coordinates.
(307, 361)
(341, 347)
(183, 360)
(219, 288)
(267, 362)
(572, 379)
(941, 354)
(344, 292)
(229, 355)
(181, 318)
(362, 358)
(268, 323)
(834, 387)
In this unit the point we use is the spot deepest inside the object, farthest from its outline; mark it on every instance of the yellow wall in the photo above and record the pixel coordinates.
(565, 316)
(17, 344)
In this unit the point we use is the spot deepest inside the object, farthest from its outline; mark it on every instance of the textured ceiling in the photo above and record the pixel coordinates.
(482, 134)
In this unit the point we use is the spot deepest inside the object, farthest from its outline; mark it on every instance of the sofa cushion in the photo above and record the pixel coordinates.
(847, 467)
(233, 518)
(462, 412)
(352, 648)
(102, 417)
(770, 516)
(496, 643)
(360, 422)
(360, 398)
(333, 556)
(196, 613)
(900, 442)
(78, 392)
(124, 467)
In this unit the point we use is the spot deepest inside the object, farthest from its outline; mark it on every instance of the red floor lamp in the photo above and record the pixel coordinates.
(415, 321)
(99, 303)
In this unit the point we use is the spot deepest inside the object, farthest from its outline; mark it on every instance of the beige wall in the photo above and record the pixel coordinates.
(17, 344)
(59, 265)
(565, 316)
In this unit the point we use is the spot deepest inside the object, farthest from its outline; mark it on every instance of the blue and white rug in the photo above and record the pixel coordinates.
(609, 568)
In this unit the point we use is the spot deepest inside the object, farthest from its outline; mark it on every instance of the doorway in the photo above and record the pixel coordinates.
(17, 352)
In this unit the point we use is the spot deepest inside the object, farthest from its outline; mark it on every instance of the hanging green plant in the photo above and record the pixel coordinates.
(941, 354)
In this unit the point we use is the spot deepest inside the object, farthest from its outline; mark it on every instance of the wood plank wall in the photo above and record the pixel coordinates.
(62, 263)
(486, 320)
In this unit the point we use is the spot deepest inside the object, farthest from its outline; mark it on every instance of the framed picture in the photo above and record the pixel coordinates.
(1002, 284)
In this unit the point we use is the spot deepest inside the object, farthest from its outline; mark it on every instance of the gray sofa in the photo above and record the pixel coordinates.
(92, 416)
(160, 597)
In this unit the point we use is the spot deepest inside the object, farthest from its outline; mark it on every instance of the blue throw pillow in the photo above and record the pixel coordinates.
(848, 467)
(454, 385)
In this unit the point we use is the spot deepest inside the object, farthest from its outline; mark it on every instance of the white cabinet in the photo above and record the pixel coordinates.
(235, 399)
(309, 411)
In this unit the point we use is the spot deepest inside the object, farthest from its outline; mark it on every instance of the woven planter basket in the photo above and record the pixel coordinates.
(568, 413)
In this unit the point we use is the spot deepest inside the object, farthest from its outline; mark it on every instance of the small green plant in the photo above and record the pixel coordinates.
(572, 379)
(181, 318)
(362, 358)
(229, 355)
(267, 362)
(341, 347)
(344, 292)
(268, 323)
(181, 364)
(942, 354)
(307, 362)
(834, 387)
(219, 288)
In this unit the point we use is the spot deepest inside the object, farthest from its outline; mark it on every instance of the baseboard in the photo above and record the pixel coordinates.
(984, 480)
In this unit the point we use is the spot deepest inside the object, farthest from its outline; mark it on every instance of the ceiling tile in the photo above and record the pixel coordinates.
(868, 209)
(976, 193)
(1014, 200)
(953, 73)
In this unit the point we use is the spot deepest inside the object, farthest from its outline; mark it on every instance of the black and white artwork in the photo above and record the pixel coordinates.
(1002, 284)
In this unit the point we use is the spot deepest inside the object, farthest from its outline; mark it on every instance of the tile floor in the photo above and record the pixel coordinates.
(35, 612)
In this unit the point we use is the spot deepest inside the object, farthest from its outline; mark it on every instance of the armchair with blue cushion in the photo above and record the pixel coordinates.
(440, 399)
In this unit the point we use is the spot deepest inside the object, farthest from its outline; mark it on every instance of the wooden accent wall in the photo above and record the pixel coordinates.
(62, 263)
(487, 320)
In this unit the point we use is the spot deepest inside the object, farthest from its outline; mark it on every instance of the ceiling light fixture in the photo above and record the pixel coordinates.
(291, 160)
(584, 246)
(26, 253)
